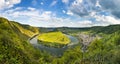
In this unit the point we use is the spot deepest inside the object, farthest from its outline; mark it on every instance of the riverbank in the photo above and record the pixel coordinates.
(52, 50)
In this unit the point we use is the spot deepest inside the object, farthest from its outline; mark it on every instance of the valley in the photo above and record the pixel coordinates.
(53, 50)
(62, 45)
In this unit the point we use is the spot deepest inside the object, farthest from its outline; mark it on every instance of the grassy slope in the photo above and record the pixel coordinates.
(54, 37)
(26, 29)
(14, 48)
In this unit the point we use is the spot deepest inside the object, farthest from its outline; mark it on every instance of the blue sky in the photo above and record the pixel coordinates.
(59, 13)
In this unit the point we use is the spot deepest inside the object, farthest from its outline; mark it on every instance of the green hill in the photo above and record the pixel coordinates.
(14, 47)
(54, 37)
(25, 29)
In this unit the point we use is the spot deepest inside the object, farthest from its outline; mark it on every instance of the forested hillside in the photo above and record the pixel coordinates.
(14, 47)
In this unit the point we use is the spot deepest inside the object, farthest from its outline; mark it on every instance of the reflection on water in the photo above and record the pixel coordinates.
(52, 50)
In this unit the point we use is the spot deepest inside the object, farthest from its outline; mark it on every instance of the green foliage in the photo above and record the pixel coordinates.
(105, 50)
(72, 56)
(14, 48)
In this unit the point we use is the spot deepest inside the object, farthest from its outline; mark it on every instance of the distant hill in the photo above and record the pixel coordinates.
(96, 29)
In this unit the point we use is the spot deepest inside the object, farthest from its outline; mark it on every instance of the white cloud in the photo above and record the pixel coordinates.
(77, 2)
(32, 16)
(39, 18)
(81, 7)
(53, 3)
(42, 3)
(18, 12)
(85, 7)
(112, 20)
(63, 11)
(93, 10)
(8, 3)
(69, 13)
(65, 1)
(107, 20)
(30, 8)
(85, 23)
(80, 1)
(98, 4)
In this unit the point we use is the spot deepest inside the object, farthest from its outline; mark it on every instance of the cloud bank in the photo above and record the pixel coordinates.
(8, 3)
(76, 13)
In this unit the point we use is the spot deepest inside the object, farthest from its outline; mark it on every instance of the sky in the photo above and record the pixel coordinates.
(62, 13)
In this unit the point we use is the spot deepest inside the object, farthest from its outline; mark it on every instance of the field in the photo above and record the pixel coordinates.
(54, 37)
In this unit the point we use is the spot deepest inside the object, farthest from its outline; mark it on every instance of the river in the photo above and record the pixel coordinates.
(52, 50)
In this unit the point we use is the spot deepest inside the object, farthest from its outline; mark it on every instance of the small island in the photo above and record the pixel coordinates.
(53, 39)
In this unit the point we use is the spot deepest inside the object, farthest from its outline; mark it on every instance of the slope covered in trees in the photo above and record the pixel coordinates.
(14, 47)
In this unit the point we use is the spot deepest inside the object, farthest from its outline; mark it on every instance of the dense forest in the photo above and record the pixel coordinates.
(16, 49)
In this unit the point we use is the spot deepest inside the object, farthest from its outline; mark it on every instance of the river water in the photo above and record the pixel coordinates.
(52, 50)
